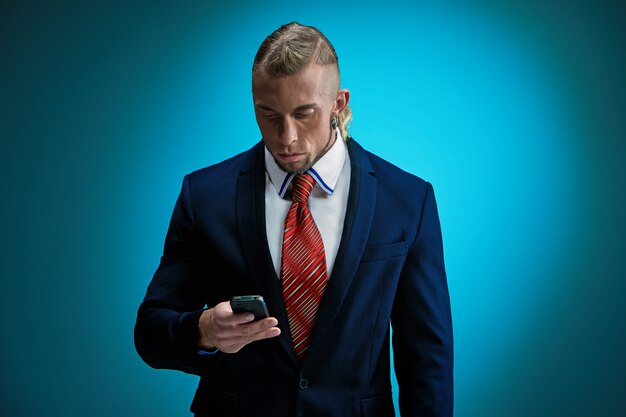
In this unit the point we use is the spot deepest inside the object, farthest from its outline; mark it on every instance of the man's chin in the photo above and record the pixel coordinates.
(293, 168)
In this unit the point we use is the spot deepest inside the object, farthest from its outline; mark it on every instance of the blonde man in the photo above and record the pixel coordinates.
(340, 244)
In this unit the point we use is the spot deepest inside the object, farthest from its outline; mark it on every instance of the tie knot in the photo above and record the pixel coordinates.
(302, 186)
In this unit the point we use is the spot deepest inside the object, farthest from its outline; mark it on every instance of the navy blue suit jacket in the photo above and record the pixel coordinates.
(389, 270)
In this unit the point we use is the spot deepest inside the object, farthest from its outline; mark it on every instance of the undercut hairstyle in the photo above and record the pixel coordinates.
(291, 48)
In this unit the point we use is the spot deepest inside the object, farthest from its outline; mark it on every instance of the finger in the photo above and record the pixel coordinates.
(246, 333)
(239, 333)
(260, 330)
(223, 312)
(264, 334)
(246, 329)
(224, 316)
(257, 326)
(239, 318)
(236, 343)
(265, 323)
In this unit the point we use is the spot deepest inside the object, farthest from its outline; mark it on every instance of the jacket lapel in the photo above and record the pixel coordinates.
(358, 220)
(250, 206)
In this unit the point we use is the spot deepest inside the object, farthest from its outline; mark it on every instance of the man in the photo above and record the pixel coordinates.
(340, 244)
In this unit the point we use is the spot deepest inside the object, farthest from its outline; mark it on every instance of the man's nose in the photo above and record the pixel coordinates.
(288, 133)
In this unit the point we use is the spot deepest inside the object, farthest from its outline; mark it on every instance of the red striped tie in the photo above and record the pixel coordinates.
(303, 269)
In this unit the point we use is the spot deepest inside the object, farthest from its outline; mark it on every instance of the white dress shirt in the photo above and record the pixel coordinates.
(328, 201)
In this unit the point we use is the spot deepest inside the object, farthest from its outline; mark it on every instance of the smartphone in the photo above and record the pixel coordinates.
(250, 303)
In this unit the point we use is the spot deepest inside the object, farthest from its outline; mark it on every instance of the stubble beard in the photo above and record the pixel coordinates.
(332, 135)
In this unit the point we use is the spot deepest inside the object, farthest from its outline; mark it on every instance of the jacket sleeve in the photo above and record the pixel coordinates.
(166, 330)
(422, 324)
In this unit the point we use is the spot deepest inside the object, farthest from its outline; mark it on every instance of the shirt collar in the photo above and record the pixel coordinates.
(325, 171)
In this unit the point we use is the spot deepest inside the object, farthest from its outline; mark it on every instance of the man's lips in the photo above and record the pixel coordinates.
(290, 157)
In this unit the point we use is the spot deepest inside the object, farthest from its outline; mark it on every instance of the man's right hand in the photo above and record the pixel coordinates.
(229, 332)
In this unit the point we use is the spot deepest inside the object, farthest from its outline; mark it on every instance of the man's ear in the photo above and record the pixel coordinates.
(341, 101)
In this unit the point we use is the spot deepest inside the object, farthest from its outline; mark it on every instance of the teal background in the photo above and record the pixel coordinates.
(513, 110)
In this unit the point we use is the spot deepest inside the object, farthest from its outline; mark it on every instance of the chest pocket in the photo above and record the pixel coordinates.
(391, 250)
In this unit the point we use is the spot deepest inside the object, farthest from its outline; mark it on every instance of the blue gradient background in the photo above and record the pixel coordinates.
(513, 110)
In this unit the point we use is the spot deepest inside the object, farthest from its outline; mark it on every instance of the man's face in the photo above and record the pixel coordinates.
(294, 112)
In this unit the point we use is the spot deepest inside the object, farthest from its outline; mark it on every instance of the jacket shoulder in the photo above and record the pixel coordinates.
(242, 162)
(391, 175)
(221, 178)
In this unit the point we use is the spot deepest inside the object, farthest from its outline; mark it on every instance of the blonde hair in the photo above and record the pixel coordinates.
(292, 47)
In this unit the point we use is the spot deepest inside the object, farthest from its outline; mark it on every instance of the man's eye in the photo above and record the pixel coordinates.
(271, 116)
(303, 115)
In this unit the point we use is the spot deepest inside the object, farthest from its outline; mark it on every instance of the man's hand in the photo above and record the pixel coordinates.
(229, 332)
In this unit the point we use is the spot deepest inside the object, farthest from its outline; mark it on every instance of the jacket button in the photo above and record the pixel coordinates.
(304, 383)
